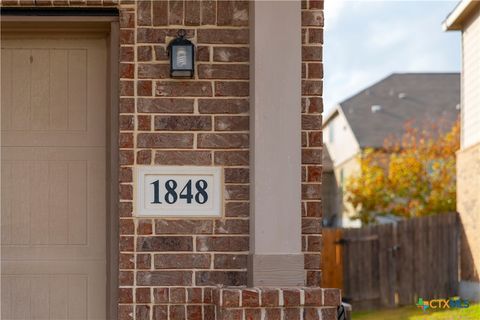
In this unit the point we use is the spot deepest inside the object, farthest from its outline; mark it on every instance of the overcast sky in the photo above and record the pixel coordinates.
(366, 41)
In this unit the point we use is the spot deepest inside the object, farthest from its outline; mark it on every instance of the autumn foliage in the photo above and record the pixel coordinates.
(411, 176)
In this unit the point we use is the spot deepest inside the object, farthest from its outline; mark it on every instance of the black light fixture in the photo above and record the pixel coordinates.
(182, 56)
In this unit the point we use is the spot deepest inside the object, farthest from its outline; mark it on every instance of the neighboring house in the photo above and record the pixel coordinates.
(370, 116)
(466, 18)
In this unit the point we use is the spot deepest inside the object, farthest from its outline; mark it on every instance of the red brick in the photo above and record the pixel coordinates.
(311, 226)
(175, 12)
(222, 244)
(161, 295)
(125, 295)
(312, 261)
(228, 106)
(126, 122)
(270, 298)
(315, 4)
(125, 192)
(125, 278)
(314, 209)
(125, 209)
(312, 314)
(125, 312)
(127, 105)
(161, 54)
(178, 295)
(231, 226)
(184, 89)
(312, 18)
(148, 35)
(328, 313)
(313, 296)
(232, 123)
(253, 314)
(142, 295)
(184, 226)
(314, 243)
(311, 53)
(144, 123)
(153, 71)
(292, 313)
(231, 158)
(144, 261)
(126, 226)
(311, 122)
(126, 261)
(192, 13)
(194, 312)
(127, 70)
(312, 104)
(203, 53)
(315, 70)
(231, 88)
(331, 297)
(125, 157)
(165, 140)
(144, 227)
(127, 19)
(144, 53)
(209, 10)
(160, 312)
(315, 139)
(237, 192)
(165, 105)
(125, 140)
(236, 175)
(172, 243)
(312, 156)
(126, 88)
(223, 36)
(127, 36)
(199, 158)
(223, 71)
(183, 123)
(273, 314)
(144, 88)
(230, 298)
(164, 278)
(144, 157)
(194, 295)
(222, 140)
(227, 278)
(232, 13)
(144, 15)
(231, 54)
(315, 35)
(160, 13)
(314, 173)
(291, 297)
(237, 209)
(250, 298)
(126, 54)
(312, 87)
(230, 261)
(177, 312)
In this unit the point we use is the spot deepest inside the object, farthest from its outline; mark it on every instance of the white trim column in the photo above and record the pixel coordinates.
(276, 257)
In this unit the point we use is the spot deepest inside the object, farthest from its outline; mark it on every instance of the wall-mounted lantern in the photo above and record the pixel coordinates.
(182, 56)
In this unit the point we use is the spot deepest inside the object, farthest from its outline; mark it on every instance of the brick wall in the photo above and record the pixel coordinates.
(168, 266)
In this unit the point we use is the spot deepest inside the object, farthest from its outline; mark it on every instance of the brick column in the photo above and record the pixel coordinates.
(276, 257)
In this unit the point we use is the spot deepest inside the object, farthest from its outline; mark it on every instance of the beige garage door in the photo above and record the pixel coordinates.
(53, 111)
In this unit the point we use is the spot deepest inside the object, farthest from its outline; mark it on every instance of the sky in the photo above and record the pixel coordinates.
(365, 41)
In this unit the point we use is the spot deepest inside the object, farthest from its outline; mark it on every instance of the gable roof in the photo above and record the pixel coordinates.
(382, 109)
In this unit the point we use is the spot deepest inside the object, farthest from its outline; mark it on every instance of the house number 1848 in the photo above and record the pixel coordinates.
(171, 196)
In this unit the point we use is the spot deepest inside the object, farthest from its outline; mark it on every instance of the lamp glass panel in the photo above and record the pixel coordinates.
(182, 57)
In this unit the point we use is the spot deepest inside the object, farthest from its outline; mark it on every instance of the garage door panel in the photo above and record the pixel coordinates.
(52, 93)
(53, 170)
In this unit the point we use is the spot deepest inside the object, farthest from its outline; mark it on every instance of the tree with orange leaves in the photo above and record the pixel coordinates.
(411, 176)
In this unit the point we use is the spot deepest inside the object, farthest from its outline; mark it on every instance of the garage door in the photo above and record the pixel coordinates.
(53, 222)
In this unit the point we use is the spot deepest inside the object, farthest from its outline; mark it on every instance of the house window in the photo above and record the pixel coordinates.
(331, 133)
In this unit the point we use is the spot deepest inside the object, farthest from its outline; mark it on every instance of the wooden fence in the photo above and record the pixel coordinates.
(393, 264)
